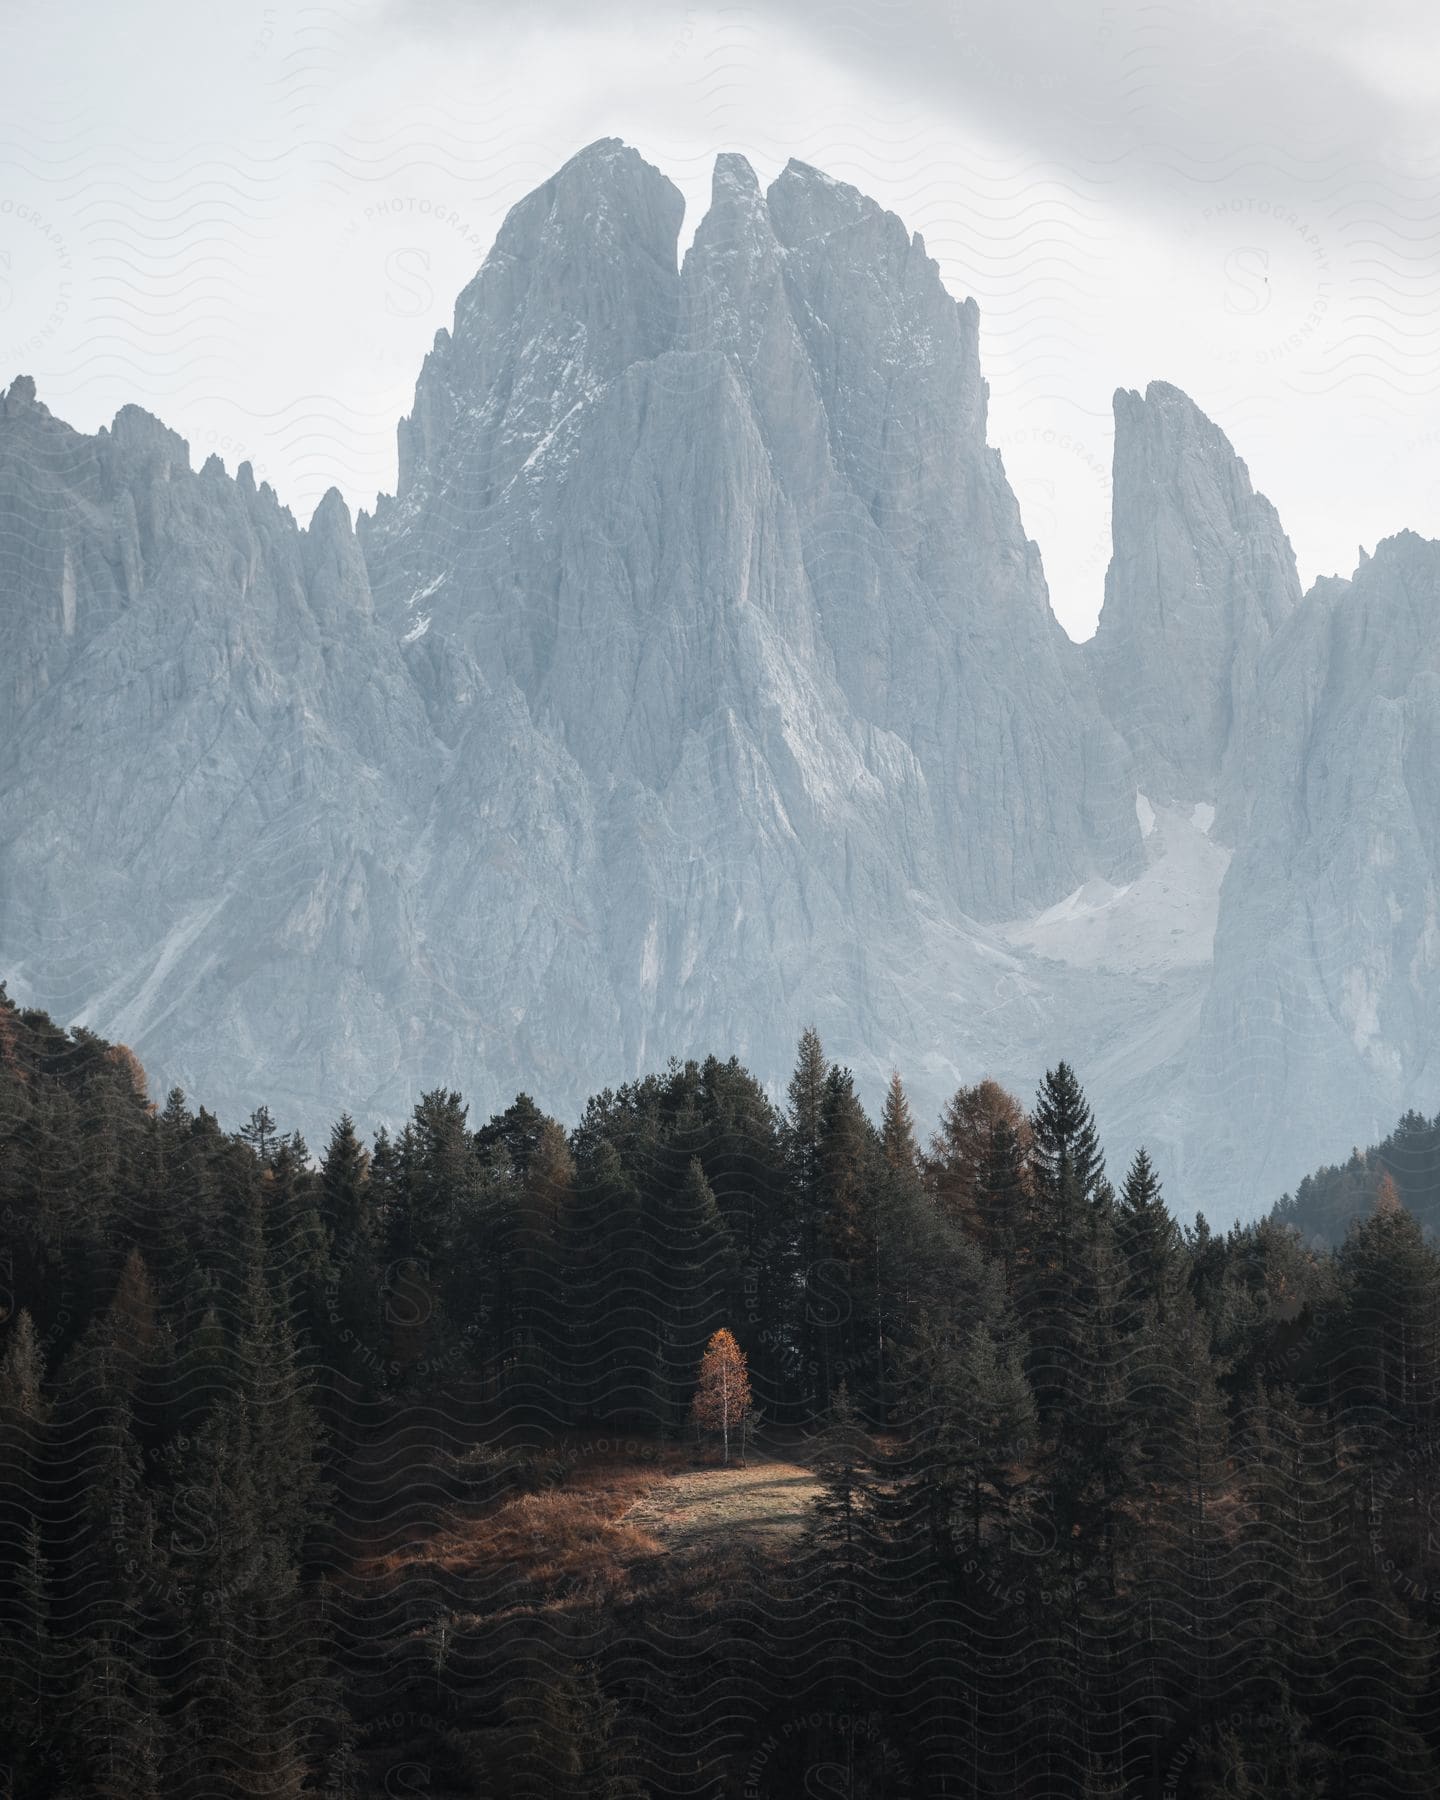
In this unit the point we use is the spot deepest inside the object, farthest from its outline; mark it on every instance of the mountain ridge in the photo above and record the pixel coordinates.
(699, 681)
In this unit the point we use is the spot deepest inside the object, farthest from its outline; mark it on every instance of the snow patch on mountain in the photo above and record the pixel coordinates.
(1162, 921)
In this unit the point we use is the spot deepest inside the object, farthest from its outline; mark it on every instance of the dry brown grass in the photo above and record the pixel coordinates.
(546, 1539)
(603, 1530)
(554, 1537)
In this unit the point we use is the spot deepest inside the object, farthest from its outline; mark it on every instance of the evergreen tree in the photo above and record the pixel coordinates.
(27, 1656)
(1149, 1241)
(260, 1132)
(804, 1151)
(348, 1218)
(897, 1129)
(1068, 1188)
(547, 1180)
(1068, 1166)
(97, 1485)
(1092, 1463)
(840, 1285)
(971, 1431)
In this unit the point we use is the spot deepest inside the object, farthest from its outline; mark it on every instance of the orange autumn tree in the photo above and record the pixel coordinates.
(722, 1401)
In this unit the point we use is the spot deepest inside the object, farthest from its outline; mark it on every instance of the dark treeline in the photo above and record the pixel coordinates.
(1109, 1507)
(1328, 1202)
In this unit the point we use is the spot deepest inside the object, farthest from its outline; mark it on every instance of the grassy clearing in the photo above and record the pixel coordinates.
(767, 1502)
(613, 1510)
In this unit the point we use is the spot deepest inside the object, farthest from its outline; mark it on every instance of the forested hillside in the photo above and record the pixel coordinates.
(355, 1472)
(1327, 1203)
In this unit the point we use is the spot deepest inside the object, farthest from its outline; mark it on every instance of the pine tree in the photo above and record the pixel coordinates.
(1068, 1189)
(1385, 1362)
(348, 1218)
(431, 1205)
(98, 1485)
(897, 1129)
(1069, 1168)
(489, 1247)
(547, 1180)
(1149, 1241)
(806, 1113)
(1092, 1465)
(136, 1335)
(804, 1152)
(853, 1185)
(277, 1387)
(114, 1730)
(1182, 1468)
(613, 1280)
(260, 1132)
(27, 1673)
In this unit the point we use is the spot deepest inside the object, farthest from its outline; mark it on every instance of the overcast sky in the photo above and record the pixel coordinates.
(252, 220)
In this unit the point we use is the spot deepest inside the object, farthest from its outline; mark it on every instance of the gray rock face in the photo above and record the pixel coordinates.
(1324, 1006)
(208, 768)
(669, 502)
(698, 683)
(1200, 579)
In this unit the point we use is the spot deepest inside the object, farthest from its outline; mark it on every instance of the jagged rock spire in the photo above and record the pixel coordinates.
(1201, 576)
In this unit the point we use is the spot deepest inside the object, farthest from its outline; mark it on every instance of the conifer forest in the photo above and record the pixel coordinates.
(709, 1447)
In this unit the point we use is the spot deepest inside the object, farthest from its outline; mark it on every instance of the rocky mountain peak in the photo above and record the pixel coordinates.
(805, 200)
(733, 175)
(139, 433)
(20, 396)
(335, 574)
(581, 282)
(1201, 576)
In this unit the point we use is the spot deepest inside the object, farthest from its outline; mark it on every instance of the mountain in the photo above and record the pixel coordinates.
(697, 683)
